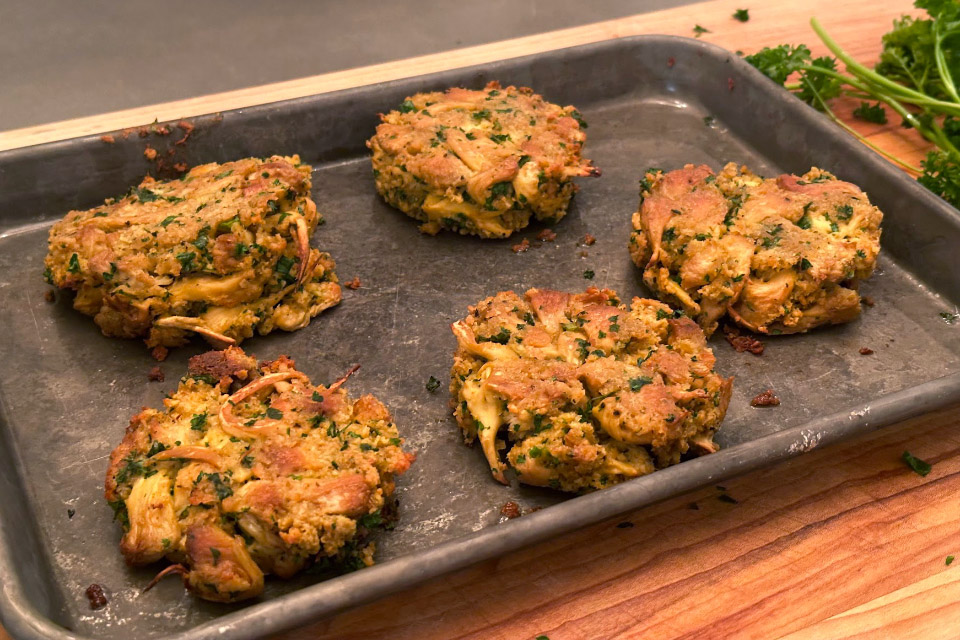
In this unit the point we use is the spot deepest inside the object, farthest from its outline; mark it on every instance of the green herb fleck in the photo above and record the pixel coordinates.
(283, 267)
(576, 115)
(186, 260)
(144, 195)
(502, 337)
(108, 275)
(919, 466)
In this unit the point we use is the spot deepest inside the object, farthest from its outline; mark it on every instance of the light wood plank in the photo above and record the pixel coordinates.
(842, 540)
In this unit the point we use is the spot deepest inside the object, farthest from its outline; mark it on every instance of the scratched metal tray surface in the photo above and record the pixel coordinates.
(66, 392)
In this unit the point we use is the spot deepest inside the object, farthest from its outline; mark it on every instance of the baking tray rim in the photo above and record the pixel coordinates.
(22, 620)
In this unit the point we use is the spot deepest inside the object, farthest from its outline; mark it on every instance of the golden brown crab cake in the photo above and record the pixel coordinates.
(223, 251)
(479, 162)
(578, 392)
(249, 469)
(778, 255)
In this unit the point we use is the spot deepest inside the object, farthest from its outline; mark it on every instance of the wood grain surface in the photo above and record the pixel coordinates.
(844, 542)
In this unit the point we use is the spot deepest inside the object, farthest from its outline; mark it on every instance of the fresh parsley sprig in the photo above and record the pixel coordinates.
(916, 78)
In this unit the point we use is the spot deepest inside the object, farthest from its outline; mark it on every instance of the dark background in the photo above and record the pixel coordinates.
(63, 59)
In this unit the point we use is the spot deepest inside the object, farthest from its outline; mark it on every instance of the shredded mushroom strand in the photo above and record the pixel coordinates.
(231, 424)
(303, 249)
(174, 568)
(339, 382)
(194, 324)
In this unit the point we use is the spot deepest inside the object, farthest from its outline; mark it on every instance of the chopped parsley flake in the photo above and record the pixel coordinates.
(186, 260)
(920, 467)
(502, 337)
(198, 421)
(283, 266)
(144, 195)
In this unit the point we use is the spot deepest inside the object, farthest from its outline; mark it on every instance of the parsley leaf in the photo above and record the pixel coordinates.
(779, 63)
(941, 174)
(871, 113)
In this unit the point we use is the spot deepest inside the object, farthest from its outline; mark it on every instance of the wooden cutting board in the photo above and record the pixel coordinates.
(844, 542)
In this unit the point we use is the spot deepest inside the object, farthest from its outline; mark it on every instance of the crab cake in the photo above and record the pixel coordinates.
(248, 470)
(778, 255)
(223, 251)
(579, 392)
(479, 162)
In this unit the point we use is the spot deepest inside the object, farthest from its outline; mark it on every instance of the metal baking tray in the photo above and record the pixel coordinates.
(66, 392)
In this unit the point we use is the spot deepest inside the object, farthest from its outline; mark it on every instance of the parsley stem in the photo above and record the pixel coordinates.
(874, 78)
(830, 114)
(945, 77)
